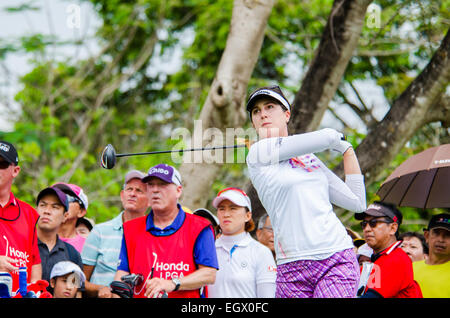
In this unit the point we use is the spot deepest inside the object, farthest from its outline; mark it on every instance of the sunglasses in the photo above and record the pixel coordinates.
(4, 165)
(373, 223)
(73, 199)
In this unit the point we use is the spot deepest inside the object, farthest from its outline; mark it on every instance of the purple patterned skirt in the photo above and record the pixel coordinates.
(333, 277)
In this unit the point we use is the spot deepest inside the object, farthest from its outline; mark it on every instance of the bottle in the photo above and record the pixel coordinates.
(23, 281)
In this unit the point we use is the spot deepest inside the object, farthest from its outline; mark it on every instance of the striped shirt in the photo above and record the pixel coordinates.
(102, 248)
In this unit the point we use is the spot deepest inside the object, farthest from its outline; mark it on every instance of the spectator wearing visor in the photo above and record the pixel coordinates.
(314, 253)
(78, 204)
(246, 267)
(433, 273)
(392, 274)
(52, 205)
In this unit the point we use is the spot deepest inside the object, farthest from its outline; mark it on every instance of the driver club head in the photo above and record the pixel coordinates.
(108, 159)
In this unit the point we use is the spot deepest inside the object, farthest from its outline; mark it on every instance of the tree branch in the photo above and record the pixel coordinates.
(408, 113)
(224, 104)
(339, 41)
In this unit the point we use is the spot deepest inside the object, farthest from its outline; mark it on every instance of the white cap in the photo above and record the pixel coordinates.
(235, 195)
(66, 267)
(134, 174)
(364, 250)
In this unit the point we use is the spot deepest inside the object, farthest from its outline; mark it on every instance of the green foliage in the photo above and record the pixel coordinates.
(64, 124)
(395, 51)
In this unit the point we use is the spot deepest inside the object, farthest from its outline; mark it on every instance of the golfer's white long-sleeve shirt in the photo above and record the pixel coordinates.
(298, 190)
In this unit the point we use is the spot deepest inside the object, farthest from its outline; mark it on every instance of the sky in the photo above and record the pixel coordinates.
(66, 19)
(73, 19)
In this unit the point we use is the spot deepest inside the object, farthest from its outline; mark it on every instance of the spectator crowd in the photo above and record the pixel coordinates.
(156, 247)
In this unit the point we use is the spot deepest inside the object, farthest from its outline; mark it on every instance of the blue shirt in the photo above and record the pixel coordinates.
(204, 248)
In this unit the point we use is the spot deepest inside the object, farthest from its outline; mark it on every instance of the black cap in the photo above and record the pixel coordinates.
(440, 221)
(208, 215)
(379, 209)
(8, 152)
(268, 91)
(86, 222)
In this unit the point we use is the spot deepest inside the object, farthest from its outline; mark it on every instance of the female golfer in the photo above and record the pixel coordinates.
(246, 267)
(314, 253)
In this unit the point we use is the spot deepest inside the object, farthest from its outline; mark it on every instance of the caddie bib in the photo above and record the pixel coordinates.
(165, 257)
(18, 238)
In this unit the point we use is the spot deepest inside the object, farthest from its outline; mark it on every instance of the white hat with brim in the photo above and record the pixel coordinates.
(66, 267)
(236, 196)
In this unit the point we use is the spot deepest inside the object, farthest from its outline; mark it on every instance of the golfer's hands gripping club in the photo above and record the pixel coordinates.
(339, 141)
(158, 288)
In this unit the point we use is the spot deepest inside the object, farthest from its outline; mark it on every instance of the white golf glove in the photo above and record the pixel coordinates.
(338, 142)
(342, 146)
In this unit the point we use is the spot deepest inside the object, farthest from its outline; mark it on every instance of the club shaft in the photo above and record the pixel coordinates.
(180, 150)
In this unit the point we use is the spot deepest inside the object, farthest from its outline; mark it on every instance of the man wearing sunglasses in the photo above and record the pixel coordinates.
(18, 240)
(392, 276)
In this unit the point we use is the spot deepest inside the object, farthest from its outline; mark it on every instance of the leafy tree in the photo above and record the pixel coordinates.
(320, 52)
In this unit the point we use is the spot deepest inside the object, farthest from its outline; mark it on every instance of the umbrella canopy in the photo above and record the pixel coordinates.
(421, 181)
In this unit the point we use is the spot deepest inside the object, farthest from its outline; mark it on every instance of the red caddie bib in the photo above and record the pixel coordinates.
(170, 256)
(18, 238)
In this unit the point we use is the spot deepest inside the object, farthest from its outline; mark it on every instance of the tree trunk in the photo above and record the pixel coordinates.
(339, 41)
(224, 106)
(337, 45)
(423, 101)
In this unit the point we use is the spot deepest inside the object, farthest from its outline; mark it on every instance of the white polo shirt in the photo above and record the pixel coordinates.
(246, 268)
(298, 190)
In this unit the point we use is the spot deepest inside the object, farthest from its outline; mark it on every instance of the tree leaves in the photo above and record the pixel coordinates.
(66, 120)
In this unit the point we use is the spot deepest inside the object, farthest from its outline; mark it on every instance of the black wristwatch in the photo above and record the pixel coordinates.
(177, 283)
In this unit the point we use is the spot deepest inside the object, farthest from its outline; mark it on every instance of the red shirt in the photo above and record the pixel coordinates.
(392, 275)
(170, 256)
(18, 238)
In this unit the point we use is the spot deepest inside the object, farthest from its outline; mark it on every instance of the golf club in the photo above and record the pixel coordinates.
(109, 155)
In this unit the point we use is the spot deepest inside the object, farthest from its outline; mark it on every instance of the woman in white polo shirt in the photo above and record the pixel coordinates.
(246, 267)
(315, 256)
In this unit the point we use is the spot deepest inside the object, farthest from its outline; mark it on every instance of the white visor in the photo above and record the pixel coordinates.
(235, 196)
